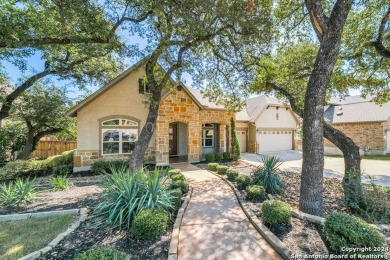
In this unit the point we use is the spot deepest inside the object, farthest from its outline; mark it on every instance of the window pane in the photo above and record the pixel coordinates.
(109, 148)
(127, 147)
(130, 135)
(111, 122)
(209, 133)
(110, 135)
(208, 142)
(129, 123)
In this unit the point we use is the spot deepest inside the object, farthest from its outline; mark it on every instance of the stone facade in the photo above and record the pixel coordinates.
(368, 136)
(178, 106)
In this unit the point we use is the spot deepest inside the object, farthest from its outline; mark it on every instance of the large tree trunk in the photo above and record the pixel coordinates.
(28, 148)
(310, 200)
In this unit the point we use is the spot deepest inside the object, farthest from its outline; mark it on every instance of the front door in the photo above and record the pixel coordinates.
(173, 139)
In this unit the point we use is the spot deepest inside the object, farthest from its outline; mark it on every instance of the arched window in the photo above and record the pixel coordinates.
(118, 135)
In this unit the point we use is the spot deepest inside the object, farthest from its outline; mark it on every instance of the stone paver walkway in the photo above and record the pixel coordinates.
(214, 225)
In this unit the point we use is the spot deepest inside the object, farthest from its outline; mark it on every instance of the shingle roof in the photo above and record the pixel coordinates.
(356, 109)
(255, 106)
(205, 102)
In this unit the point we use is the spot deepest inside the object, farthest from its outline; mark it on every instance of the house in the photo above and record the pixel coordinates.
(266, 125)
(366, 123)
(110, 120)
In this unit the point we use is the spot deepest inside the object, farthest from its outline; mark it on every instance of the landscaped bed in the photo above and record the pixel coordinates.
(300, 236)
(19, 238)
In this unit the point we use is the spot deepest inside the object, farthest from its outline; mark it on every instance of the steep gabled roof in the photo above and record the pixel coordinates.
(255, 106)
(206, 103)
(355, 109)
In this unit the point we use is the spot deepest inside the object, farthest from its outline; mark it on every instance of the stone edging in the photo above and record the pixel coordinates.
(258, 225)
(173, 246)
(34, 255)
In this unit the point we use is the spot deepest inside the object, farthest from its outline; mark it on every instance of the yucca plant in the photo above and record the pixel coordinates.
(268, 175)
(17, 192)
(126, 193)
(60, 182)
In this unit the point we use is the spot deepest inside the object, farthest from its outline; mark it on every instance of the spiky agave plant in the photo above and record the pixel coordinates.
(268, 175)
(126, 193)
(18, 192)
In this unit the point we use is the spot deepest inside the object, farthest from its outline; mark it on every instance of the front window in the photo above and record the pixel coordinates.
(208, 135)
(119, 136)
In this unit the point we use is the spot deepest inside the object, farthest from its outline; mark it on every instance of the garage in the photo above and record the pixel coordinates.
(274, 140)
(241, 136)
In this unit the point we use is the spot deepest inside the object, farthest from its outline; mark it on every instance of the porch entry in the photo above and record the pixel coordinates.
(178, 142)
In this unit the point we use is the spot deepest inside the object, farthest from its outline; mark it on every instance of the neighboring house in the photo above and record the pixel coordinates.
(110, 120)
(266, 125)
(366, 123)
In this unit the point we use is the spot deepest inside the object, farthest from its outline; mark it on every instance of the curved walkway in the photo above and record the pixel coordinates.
(214, 225)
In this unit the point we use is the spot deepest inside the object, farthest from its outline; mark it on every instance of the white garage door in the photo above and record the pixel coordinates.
(241, 136)
(270, 141)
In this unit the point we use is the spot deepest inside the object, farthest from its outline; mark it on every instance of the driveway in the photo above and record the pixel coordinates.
(334, 167)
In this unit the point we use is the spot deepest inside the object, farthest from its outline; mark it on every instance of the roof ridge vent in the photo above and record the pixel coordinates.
(339, 113)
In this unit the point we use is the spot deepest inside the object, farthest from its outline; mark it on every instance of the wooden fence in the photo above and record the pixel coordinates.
(49, 148)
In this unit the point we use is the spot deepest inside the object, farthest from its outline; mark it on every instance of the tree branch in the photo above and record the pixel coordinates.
(378, 43)
(317, 16)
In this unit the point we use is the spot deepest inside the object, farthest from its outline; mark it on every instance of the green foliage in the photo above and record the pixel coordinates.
(255, 192)
(62, 170)
(177, 177)
(243, 181)
(212, 166)
(226, 156)
(218, 157)
(232, 173)
(17, 192)
(12, 139)
(275, 212)
(180, 184)
(126, 193)
(269, 175)
(150, 223)
(104, 167)
(236, 153)
(60, 182)
(21, 168)
(210, 157)
(221, 169)
(343, 230)
(377, 204)
(174, 172)
(177, 194)
(101, 253)
(66, 158)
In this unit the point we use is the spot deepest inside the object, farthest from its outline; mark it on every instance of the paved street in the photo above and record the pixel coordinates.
(334, 167)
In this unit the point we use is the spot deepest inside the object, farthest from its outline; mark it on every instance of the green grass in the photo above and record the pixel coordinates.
(367, 157)
(19, 238)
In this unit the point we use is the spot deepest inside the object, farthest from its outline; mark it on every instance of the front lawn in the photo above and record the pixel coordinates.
(19, 238)
(368, 157)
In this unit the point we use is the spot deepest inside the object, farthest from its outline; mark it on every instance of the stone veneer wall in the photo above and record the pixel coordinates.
(178, 106)
(363, 134)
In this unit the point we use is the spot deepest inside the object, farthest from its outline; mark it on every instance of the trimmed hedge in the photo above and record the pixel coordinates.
(177, 194)
(275, 212)
(226, 156)
(221, 169)
(243, 181)
(255, 192)
(218, 157)
(212, 166)
(174, 172)
(177, 177)
(232, 173)
(101, 253)
(343, 230)
(180, 184)
(210, 157)
(150, 223)
(104, 167)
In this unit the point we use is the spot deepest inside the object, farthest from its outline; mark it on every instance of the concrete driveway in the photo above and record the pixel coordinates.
(334, 167)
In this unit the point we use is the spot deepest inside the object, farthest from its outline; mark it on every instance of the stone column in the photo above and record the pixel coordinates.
(162, 143)
(222, 138)
(194, 141)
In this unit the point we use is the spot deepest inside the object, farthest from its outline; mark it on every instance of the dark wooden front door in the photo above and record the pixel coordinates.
(173, 139)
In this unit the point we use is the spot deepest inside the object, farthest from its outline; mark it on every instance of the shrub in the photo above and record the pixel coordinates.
(218, 157)
(174, 172)
(17, 192)
(243, 181)
(21, 168)
(221, 169)
(60, 182)
(66, 158)
(210, 157)
(126, 194)
(150, 223)
(177, 194)
(268, 175)
(255, 192)
(343, 230)
(236, 153)
(104, 167)
(232, 173)
(377, 203)
(63, 170)
(101, 253)
(180, 184)
(226, 156)
(212, 166)
(177, 177)
(276, 212)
